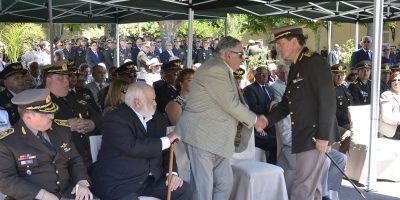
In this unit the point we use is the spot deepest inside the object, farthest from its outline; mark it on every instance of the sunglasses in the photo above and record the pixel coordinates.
(367, 41)
(238, 53)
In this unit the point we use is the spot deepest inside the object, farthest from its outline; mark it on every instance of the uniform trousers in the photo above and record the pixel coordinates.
(211, 175)
(307, 183)
(331, 176)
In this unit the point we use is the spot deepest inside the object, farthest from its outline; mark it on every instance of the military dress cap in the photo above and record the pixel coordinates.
(12, 69)
(287, 31)
(386, 67)
(338, 68)
(238, 74)
(172, 65)
(364, 64)
(37, 100)
(396, 67)
(63, 70)
(126, 68)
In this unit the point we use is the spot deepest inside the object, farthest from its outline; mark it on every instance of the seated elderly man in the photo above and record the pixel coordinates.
(133, 158)
(38, 159)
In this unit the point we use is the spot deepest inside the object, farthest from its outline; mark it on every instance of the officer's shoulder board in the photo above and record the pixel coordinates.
(62, 122)
(6, 132)
(308, 53)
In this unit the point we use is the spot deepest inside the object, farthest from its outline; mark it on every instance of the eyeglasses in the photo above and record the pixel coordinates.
(367, 41)
(238, 53)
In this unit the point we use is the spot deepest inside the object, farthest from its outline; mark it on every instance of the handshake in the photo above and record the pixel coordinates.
(261, 123)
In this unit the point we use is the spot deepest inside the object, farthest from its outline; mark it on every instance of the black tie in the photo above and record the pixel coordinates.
(45, 142)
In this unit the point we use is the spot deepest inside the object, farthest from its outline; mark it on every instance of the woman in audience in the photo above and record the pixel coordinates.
(390, 109)
(115, 95)
(175, 107)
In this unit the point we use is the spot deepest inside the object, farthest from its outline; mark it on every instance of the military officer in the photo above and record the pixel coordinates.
(80, 52)
(108, 53)
(14, 81)
(205, 52)
(361, 88)
(309, 90)
(69, 51)
(124, 53)
(38, 160)
(75, 111)
(343, 96)
(165, 88)
(386, 70)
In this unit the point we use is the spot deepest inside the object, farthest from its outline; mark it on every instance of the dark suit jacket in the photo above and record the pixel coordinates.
(256, 98)
(164, 57)
(92, 59)
(359, 56)
(27, 165)
(69, 55)
(164, 94)
(129, 153)
(310, 100)
(12, 109)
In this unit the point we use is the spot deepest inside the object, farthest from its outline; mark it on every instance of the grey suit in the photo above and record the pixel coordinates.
(333, 57)
(208, 128)
(94, 88)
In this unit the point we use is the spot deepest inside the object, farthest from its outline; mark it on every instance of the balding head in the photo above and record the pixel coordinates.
(141, 97)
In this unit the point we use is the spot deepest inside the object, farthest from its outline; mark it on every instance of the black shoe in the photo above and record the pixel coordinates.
(326, 198)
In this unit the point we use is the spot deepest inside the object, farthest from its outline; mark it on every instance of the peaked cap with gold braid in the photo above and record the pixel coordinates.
(37, 100)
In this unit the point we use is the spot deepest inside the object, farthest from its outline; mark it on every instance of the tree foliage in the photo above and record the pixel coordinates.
(16, 35)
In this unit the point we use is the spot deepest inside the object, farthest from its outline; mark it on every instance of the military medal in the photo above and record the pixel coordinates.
(65, 147)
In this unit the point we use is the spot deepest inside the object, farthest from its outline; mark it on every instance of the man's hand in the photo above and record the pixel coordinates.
(49, 196)
(321, 145)
(261, 123)
(175, 182)
(81, 125)
(173, 136)
(82, 193)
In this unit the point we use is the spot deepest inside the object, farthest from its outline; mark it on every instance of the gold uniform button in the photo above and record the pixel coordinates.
(288, 92)
(291, 113)
(292, 123)
(290, 102)
(298, 87)
(56, 171)
(314, 125)
(58, 182)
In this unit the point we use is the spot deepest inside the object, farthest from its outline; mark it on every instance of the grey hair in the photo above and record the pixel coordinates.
(135, 91)
(281, 67)
(226, 43)
(365, 37)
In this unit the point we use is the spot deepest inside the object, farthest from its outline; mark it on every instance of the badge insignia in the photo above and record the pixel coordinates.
(82, 102)
(65, 147)
(62, 122)
(298, 78)
(6, 133)
(340, 68)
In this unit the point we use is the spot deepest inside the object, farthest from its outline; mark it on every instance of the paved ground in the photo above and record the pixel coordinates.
(385, 190)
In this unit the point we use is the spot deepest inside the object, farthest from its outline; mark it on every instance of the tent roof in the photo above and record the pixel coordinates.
(128, 11)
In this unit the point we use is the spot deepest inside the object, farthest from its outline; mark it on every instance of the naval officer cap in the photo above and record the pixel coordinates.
(338, 68)
(286, 31)
(126, 68)
(63, 70)
(386, 68)
(365, 64)
(238, 74)
(37, 100)
(12, 69)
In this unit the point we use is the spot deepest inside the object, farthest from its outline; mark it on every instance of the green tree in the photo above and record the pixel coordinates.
(16, 35)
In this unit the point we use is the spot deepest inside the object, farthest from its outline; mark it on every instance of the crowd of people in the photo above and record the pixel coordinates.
(48, 111)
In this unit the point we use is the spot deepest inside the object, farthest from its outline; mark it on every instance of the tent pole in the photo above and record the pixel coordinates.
(226, 25)
(190, 37)
(329, 35)
(376, 71)
(51, 30)
(356, 35)
(117, 41)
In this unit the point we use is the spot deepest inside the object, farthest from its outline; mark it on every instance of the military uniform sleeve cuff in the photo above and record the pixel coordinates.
(40, 194)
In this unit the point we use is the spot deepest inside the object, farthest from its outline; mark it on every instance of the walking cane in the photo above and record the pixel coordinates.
(171, 161)
(341, 171)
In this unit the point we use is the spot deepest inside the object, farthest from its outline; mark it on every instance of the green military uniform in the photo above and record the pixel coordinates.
(29, 165)
(360, 91)
(310, 100)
